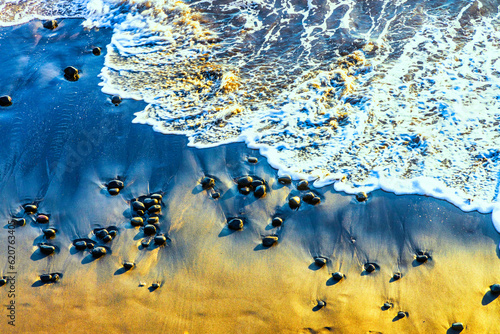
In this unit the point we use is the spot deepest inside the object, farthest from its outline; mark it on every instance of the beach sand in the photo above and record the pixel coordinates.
(63, 141)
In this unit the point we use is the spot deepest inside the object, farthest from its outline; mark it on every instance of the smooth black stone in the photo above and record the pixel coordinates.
(71, 73)
(386, 306)
(277, 221)
(260, 191)
(137, 221)
(370, 267)
(397, 276)
(153, 220)
(46, 278)
(55, 277)
(245, 181)
(269, 240)
(401, 314)
(90, 245)
(80, 245)
(320, 261)
(307, 197)
(51, 24)
(245, 190)
(19, 221)
(337, 276)
(149, 229)
(42, 219)
(155, 209)
(149, 202)
(157, 197)
(47, 249)
(321, 304)
(303, 185)
(315, 200)
(256, 183)
(128, 265)
(457, 326)
(155, 286)
(361, 197)
(495, 289)
(3, 281)
(113, 191)
(136, 205)
(97, 252)
(160, 240)
(285, 179)
(5, 101)
(116, 100)
(115, 184)
(49, 233)
(235, 224)
(294, 202)
(252, 160)
(30, 208)
(96, 51)
(107, 238)
(216, 195)
(145, 243)
(101, 233)
(113, 233)
(140, 213)
(422, 258)
(207, 182)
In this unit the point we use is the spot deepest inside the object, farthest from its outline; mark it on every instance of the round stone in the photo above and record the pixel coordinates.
(370, 267)
(116, 184)
(96, 51)
(46, 278)
(90, 245)
(321, 304)
(149, 229)
(245, 190)
(260, 191)
(55, 277)
(320, 261)
(245, 181)
(42, 219)
(19, 221)
(153, 220)
(422, 258)
(155, 209)
(401, 314)
(361, 196)
(307, 197)
(47, 249)
(140, 213)
(97, 252)
(71, 73)
(80, 245)
(101, 233)
(215, 195)
(5, 101)
(128, 265)
(49, 233)
(315, 200)
(285, 179)
(137, 221)
(50, 24)
(269, 240)
(457, 326)
(160, 240)
(113, 191)
(495, 289)
(107, 238)
(303, 185)
(252, 160)
(207, 182)
(397, 276)
(136, 205)
(155, 286)
(256, 183)
(113, 233)
(277, 221)
(30, 208)
(3, 281)
(116, 100)
(294, 202)
(145, 243)
(157, 197)
(386, 306)
(337, 276)
(235, 224)
(149, 202)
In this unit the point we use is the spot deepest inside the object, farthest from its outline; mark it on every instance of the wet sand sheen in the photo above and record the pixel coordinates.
(66, 140)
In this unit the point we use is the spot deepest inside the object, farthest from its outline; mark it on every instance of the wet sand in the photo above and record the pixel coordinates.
(64, 141)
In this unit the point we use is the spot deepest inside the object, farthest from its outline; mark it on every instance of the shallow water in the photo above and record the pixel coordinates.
(398, 95)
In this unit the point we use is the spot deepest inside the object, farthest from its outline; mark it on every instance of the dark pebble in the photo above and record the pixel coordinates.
(245, 190)
(55, 277)
(361, 196)
(42, 219)
(303, 185)
(252, 160)
(115, 184)
(149, 202)
(49, 233)
(370, 267)
(235, 224)
(157, 197)
(51, 24)
(113, 233)
(90, 245)
(145, 243)
(294, 202)
(137, 221)
(30, 208)
(153, 220)
(457, 326)
(155, 286)
(260, 191)
(285, 179)
(155, 209)
(207, 182)
(128, 265)
(269, 240)
(101, 233)
(245, 181)
(337, 276)
(140, 213)
(397, 276)
(116, 100)
(315, 200)
(80, 245)
(320, 261)
(46, 278)
(495, 289)
(136, 205)
(5, 101)
(3, 281)
(107, 238)
(71, 73)
(149, 229)
(113, 191)
(422, 258)
(277, 221)
(321, 304)
(386, 306)
(401, 314)
(216, 195)
(97, 252)
(256, 183)
(160, 240)
(307, 197)
(96, 51)
(19, 221)
(47, 249)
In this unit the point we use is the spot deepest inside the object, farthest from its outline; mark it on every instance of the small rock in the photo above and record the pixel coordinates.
(235, 224)
(80, 245)
(315, 200)
(370, 267)
(5, 101)
(71, 73)
(207, 182)
(42, 219)
(140, 213)
(401, 315)
(361, 196)
(256, 183)
(30, 208)
(215, 195)
(285, 179)
(149, 229)
(149, 202)
(157, 197)
(90, 245)
(303, 185)
(260, 191)
(155, 209)
(113, 233)
(245, 181)
(160, 240)
(128, 265)
(113, 191)
(19, 221)
(294, 202)
(55, 277)
(277, 221)
(101, 233)
(51, 24)
(145, 243)
(252, 160)
(422, 258)
(321, 304)
(153, 220)
(155, 286)
(137, 221)
(96, 51)
(47, 249)
(337, 276)
(457, 326)
(3, 281)
(307, 197)
(136, 205)
(269, 240)
(397, 276)
(97, 252)
(386, 306)
(107, 238)
(49, 233)
(495, 289)
(320, 261)
(245, 190)
(116, 100)
(46, 278)
(116, 184)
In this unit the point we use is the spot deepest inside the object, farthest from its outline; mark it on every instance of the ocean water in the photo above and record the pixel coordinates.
(362, 94)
